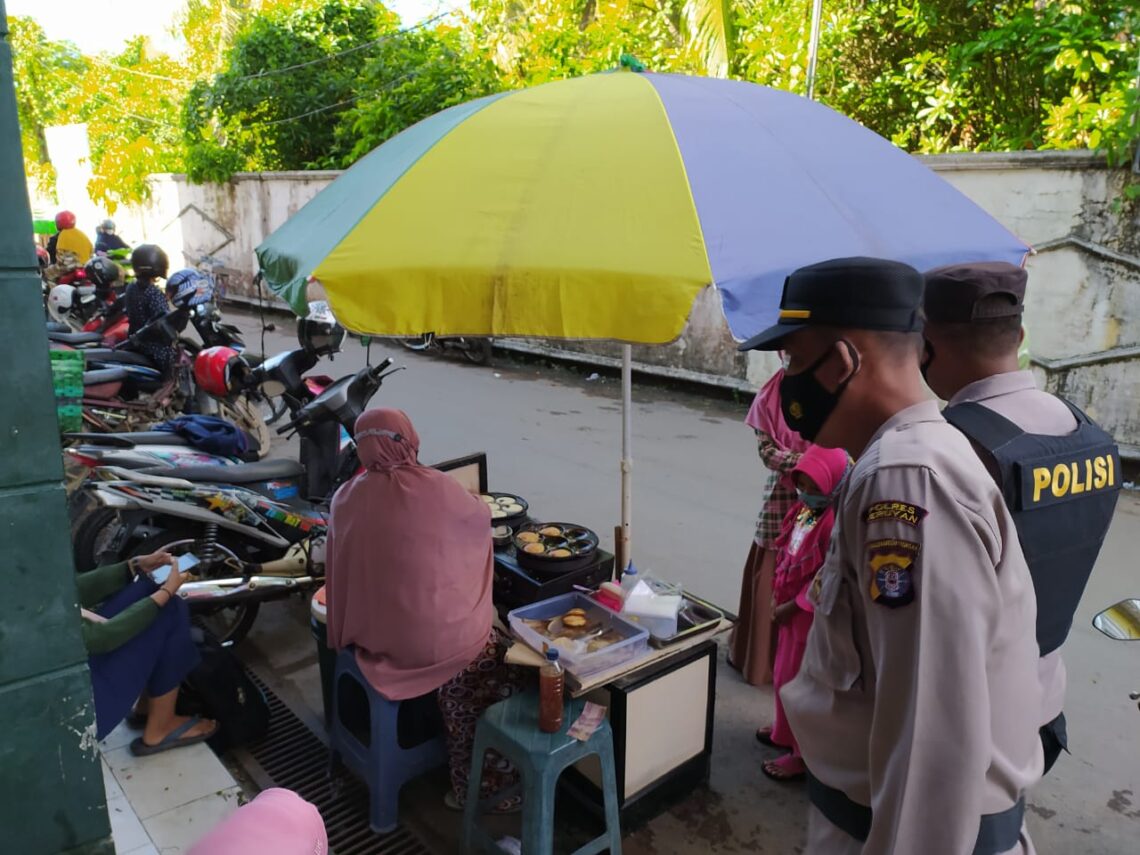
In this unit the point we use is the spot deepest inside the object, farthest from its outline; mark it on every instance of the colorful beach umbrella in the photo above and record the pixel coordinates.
(600, 207)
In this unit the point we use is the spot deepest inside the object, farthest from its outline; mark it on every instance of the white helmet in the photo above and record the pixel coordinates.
(59, 301)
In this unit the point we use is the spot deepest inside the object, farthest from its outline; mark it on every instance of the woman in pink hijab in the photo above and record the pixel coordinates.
(752, 643)
(802, 545)
(408, 575)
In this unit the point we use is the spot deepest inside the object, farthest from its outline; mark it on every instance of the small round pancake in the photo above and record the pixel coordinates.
(534, 548)
(573, 621)
(560, 553)
(528, 537)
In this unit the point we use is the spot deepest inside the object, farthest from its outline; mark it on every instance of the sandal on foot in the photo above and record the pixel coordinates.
(764, 737)
(778, 770)
(174, 739)
(511, 805)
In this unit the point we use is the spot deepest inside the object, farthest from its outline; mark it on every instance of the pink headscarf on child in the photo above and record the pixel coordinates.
(827, 468)
(408, 564)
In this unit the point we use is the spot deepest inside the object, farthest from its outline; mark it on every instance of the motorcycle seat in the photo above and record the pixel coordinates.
(104, 375)
(241, 473)
(57, 327)
(128, 440)
(107, 355)
(75, 337)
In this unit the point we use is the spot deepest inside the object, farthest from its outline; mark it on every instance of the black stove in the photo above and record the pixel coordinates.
(514, 586)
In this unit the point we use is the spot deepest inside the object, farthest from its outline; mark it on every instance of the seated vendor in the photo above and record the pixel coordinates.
(408, 570)
(137, 635)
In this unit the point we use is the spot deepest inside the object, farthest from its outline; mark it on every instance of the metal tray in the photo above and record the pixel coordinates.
(695, 617)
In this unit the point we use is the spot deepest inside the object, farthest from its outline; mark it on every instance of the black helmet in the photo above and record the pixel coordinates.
(320, 337)
(103, 272)
(150, 261)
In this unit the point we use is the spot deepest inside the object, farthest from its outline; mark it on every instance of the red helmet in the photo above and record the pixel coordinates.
(218, 371)
(64, 220)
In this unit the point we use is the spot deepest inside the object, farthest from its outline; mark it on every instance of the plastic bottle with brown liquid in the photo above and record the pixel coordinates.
(551, 682)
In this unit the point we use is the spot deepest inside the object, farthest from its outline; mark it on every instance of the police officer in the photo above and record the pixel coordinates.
(1058, 472)
(916, 703)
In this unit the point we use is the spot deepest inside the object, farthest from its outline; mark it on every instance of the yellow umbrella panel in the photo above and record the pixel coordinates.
(528, 219)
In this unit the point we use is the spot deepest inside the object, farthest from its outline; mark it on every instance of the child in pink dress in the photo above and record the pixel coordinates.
(802, 545)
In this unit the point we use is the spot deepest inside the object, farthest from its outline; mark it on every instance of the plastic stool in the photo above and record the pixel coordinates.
(383, 764)
(511, 728)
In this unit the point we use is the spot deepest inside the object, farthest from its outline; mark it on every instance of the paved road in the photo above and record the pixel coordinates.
(555, 438)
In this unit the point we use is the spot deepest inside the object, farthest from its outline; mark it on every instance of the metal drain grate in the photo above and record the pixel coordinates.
(292, 756)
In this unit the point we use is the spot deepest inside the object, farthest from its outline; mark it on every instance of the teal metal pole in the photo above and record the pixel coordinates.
(51, 784)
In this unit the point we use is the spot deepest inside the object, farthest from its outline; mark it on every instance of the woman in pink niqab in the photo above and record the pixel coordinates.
(409, 586)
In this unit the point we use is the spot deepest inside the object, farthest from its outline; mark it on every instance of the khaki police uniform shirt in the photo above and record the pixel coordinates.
(1015, 396)
(918, 693)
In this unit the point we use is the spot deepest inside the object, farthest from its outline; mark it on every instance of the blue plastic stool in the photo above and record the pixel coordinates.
(382, 764)
(511, 728)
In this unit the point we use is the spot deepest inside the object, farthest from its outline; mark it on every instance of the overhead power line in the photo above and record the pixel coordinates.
(268, 123)
(269, 72)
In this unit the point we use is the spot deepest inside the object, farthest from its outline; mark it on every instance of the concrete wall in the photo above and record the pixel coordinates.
(1083, 311)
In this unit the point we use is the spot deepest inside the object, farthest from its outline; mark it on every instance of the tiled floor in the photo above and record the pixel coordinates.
(165, 802)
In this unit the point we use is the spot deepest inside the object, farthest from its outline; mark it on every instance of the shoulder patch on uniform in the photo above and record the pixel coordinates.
(904, 512)
(890, 563)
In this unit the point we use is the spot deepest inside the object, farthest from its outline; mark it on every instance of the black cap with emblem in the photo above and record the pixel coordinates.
(855, 293)
(961, 293)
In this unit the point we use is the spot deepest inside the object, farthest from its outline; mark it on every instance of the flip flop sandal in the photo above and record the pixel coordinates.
(764, 737)
(774, 770)
(174, 739)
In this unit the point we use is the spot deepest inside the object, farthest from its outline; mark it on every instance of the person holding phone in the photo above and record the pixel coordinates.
(137, 635)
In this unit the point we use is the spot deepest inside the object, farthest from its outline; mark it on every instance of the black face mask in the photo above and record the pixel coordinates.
(806, 404)
(927, 358)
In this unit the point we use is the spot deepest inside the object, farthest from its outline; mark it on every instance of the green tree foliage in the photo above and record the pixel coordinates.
(318, 86)
(410, 77)
(541, 40)
(296, 84)
(287, 79)
(47, 75)
(960, 75)
(129, 102)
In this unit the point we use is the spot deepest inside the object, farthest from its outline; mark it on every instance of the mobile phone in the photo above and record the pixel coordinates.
(185, 562)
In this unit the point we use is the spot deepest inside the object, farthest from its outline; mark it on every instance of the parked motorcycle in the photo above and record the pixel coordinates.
(258, 528)
(282, 377)
(80, 296)
(476, 350)
(123, 391)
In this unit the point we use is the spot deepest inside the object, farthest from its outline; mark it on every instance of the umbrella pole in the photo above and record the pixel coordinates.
(626, 459)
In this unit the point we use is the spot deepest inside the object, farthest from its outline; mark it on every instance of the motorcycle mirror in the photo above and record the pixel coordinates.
(1120, 622)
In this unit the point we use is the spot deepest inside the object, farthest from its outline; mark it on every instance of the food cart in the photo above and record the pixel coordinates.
(661, 694)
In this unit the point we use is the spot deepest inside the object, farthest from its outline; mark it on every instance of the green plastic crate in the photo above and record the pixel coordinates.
(67, 373)
(70, 417)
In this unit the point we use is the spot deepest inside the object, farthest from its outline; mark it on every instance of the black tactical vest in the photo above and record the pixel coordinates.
(1061, 491)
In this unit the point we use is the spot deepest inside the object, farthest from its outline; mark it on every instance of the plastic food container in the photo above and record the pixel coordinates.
(634, 644)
